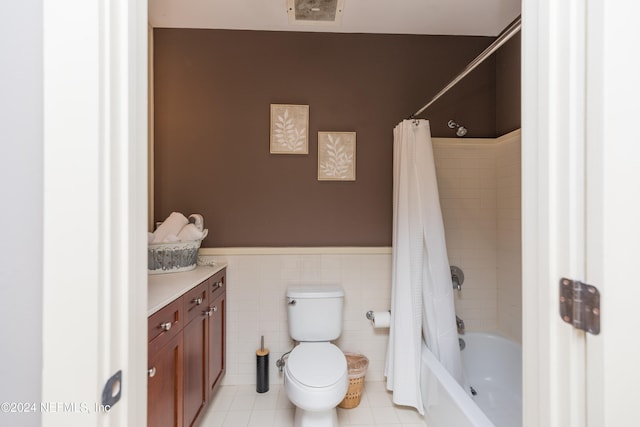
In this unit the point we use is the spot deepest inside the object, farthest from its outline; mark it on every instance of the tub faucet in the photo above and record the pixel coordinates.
(456, 282)
(457, 277)
(460, 325)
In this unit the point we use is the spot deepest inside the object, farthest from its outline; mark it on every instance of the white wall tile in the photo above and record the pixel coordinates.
(480, 198)
(509, 246)
(469, 215)
(256, 306)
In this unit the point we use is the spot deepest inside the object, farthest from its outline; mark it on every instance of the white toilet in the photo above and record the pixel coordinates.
(315, 374)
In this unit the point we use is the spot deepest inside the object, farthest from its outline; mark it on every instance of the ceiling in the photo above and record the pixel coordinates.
(443, 17)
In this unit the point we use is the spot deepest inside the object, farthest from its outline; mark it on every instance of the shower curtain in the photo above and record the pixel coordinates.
(422, 292)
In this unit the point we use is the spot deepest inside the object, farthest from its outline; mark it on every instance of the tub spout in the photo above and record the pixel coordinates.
(460, 325)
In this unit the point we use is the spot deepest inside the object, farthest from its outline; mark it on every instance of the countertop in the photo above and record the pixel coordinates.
(164, 288)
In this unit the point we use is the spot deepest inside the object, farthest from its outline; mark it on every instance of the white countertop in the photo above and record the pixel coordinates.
(164, 288)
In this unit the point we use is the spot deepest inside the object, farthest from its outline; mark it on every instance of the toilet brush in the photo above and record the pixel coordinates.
(262, 368)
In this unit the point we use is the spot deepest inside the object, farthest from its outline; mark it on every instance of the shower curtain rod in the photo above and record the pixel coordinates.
(504, 36)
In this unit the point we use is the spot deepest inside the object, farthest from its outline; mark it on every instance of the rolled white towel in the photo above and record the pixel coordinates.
(172, 225)
(198, 220)
(171, 238)
(189, 233)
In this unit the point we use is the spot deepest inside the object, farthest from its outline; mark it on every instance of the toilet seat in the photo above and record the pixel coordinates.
(317, 365)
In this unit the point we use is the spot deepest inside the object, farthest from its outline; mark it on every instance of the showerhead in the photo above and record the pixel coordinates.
(460, 130)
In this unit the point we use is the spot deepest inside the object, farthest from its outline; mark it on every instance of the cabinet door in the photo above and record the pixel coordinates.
(164, 406)
(195, 367)
(217, 341)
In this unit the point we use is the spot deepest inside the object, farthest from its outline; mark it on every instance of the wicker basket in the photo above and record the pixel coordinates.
(354, 393)
(173, 257)
(357, 364)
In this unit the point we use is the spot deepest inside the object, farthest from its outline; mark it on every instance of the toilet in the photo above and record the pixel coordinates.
(315, 374)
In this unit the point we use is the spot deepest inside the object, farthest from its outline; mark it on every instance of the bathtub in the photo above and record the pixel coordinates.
(492, 395)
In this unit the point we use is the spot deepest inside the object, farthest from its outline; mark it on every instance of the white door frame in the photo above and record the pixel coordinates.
(613, 206)
(95, 210)
(581, 208)
(553, 43)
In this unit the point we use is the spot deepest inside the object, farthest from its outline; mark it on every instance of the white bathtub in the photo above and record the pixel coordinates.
(493, 368)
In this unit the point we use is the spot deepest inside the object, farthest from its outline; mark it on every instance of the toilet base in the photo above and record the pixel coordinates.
(328, 418)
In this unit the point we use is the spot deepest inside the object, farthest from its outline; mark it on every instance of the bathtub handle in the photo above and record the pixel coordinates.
(457, 277)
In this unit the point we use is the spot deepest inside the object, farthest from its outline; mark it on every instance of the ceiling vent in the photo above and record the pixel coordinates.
(316, 12)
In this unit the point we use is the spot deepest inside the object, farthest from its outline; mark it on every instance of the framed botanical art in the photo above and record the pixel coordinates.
(289, 129)
(336, 156)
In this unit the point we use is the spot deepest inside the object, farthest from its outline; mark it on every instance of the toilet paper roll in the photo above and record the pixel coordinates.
(381, 319)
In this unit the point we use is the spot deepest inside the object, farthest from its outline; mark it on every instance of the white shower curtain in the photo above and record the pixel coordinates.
(422, 292)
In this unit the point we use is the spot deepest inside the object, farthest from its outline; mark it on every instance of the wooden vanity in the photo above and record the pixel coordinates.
(186, 344)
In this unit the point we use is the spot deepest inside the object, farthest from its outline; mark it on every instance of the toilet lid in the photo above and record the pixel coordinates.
(317, 364)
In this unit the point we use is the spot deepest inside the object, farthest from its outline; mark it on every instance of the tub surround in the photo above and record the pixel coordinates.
(164, 288)
(479, 186)
(509, 239)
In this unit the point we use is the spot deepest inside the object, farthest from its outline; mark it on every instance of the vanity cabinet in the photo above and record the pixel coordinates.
(186, 350)
(217, 327)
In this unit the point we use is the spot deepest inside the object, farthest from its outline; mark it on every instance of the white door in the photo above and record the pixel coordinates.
(95, 191)
(581, 191)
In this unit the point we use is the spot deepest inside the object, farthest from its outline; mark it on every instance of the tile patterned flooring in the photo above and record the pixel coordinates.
(241, 406)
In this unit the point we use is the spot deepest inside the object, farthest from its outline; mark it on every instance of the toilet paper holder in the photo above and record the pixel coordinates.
(371, 316)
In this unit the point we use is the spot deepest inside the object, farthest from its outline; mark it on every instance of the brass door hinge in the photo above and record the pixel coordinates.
(580, 305)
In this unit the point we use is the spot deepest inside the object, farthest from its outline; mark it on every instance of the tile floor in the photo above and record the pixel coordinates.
(241, 406)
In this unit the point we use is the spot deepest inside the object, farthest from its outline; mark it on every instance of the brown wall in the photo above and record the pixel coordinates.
(213, 89)
(508, 78)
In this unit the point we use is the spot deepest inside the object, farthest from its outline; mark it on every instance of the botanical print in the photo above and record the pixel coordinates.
(336, 156)
(289, 129)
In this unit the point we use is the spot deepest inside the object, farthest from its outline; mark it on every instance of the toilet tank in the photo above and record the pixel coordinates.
(314, 313)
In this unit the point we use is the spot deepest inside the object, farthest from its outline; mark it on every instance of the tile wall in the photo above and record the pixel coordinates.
(479, 187)
(509, 243)
(466, 170)
(256, 302)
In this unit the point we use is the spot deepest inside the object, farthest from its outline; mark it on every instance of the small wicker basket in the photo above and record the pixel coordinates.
(354, 393)
(357, 364)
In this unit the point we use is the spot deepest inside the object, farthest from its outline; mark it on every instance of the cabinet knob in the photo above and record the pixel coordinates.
(215, 308)
(152, 372)
(217, 284)
(197, 301)
(209, 312)
(165, 326)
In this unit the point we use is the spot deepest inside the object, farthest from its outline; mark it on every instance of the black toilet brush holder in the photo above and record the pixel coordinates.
(262, 368)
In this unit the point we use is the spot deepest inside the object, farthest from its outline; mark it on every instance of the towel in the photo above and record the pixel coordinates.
(198, 220)
(171, 238)
(189, 233)
(171, 226)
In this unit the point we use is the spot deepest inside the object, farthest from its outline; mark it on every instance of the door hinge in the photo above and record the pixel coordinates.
(580, 305)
